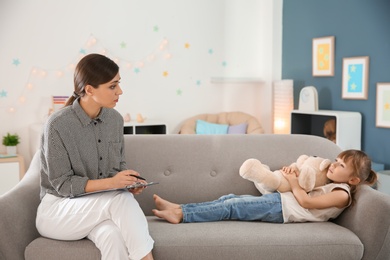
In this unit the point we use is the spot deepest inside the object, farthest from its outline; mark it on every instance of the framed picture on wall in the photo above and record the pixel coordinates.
(323, 56)
(383, 105)
(355, 78)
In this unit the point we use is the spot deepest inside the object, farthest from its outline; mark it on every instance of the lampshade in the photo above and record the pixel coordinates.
(283, 103)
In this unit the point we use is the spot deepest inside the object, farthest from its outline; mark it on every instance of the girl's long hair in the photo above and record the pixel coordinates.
(361, 164)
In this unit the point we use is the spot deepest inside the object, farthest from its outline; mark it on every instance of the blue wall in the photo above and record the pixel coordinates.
(361, 28)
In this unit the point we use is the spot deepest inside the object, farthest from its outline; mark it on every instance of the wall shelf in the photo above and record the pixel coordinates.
(145, 128)
(236, 80)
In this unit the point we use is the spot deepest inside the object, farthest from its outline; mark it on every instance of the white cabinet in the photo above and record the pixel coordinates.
(384, 181)
(348, 125)
(11, 172)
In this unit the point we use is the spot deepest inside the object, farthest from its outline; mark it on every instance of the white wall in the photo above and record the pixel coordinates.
(227, 38)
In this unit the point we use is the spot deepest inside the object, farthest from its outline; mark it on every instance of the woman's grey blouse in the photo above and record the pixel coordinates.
(75, 148)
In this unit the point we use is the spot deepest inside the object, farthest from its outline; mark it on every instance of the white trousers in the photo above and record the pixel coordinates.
(112, 220)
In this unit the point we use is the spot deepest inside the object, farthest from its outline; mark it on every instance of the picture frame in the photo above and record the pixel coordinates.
(383, 105)
(323, 56)
(355, 77)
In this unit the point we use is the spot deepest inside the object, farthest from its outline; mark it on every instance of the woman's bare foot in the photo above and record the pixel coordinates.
(171, 215)
(162, 204)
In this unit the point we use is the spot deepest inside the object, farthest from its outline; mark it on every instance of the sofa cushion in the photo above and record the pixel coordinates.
(205, 128)
(253, 240)
(224, 240)
(45, 248)
(238, 129)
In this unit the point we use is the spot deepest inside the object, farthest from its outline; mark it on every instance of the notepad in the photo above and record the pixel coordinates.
(133, 186)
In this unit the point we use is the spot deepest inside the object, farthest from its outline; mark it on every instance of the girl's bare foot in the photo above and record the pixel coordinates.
(172, 215)
(162, 204)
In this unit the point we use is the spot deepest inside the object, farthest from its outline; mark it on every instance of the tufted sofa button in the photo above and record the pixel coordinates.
(213, 173)
(167, 173)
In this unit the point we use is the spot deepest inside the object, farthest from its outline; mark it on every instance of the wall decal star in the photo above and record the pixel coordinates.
(123, 45)
(187, 45)
(165, 73)
(16, 62)
(3, 94)
(155, 28)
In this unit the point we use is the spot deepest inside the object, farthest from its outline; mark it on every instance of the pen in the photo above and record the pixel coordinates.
(138, 177)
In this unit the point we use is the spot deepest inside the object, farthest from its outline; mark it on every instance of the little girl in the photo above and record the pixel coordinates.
(351, 169)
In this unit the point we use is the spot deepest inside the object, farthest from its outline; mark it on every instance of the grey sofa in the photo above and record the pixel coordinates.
(193, 168)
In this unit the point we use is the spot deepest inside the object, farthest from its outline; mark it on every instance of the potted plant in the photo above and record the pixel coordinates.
(10, 142)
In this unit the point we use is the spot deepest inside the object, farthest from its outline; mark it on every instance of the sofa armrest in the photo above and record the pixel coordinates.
(369, 219)
(18, 209)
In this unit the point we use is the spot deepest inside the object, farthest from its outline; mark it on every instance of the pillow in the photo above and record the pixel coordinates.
(237, 129)
(205, 128)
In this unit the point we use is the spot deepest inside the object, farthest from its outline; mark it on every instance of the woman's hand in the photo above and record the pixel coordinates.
(124, 178)
(119, 181)
(127, 178)
(132, 174)
(138, 190)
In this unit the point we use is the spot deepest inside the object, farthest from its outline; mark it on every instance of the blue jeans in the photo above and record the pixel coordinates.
(266, 208)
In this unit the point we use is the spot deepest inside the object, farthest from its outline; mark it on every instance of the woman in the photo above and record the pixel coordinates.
(82, 151)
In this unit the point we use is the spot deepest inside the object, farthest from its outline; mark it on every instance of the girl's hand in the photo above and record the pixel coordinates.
(290, 173)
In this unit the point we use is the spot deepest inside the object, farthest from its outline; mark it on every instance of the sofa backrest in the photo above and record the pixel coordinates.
(18, 209)
(194, 168)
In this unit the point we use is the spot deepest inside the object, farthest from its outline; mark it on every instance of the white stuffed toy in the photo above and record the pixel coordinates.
(312, 174)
